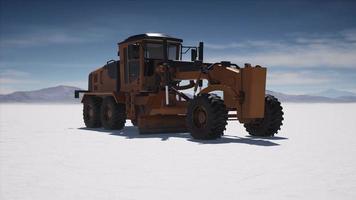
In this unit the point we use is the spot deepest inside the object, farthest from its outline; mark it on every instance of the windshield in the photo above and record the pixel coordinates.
(155, 51)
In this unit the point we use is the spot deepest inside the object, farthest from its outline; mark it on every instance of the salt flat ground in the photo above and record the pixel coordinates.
(45, 153)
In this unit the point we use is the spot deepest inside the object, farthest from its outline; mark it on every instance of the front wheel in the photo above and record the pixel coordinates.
(272, 121)
(206, 117)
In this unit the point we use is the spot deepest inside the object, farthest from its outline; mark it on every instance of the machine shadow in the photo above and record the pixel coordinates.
(131, 132)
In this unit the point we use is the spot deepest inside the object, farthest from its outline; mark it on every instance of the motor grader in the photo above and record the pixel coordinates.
(159, 92)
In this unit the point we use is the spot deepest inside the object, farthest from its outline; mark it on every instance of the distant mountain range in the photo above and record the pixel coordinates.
(65, 94)
(58, 94)
(332, 93)
(331, 98)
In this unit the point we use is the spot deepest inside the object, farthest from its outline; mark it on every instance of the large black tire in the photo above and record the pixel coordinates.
(272, 121)
(91, 112)
(113, 115)
(206, 117)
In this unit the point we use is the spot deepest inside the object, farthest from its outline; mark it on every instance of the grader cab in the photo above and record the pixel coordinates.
(159, 92)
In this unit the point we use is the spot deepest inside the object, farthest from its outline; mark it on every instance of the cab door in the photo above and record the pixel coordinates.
(130, 65)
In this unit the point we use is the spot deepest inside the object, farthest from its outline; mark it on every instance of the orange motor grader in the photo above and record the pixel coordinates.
(148, 86)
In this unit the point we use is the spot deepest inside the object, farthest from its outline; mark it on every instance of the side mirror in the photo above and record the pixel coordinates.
(201, 51)
(193, 55)
(118, 53)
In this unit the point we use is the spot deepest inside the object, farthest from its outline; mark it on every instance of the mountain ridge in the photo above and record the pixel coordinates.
(333, 93)
(65, 94)
(56, 94)
(305, 98)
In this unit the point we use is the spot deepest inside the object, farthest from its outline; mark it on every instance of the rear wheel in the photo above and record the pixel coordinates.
(206, 117)
(91, 112)
(272, 121)
(113, 115)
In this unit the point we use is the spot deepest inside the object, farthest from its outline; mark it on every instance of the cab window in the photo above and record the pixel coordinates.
(155, 51)
(172, 52)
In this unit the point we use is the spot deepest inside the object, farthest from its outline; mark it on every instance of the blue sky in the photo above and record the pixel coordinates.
(308, 46)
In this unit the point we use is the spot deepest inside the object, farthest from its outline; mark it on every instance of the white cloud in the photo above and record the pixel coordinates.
(43, 36)
(302, 78)
(245, 44)
(349, 35)
(9, 77)
(300, 52)
(13, 73)
(223, 46)
(9, 80)
(39, 39)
